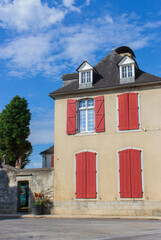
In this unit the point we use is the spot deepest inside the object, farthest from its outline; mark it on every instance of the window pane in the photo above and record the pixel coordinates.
(90, 103)
(82, 104)
(82, 121)
(129, 71)
(124, 72)
(88, 77)
(90, 115)
(83, 79)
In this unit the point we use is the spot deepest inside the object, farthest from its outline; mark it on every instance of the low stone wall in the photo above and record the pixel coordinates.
(113, 208)
(40, 181)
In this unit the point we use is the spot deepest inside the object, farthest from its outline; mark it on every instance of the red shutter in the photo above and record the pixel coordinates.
(91, 174)
(71, 116)
(125, 179)
(133, 111)
(80, 175)
(136, 183)
(99, 114)
(123, 108)
(52, 160)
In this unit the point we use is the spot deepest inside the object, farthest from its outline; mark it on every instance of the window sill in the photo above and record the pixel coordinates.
(85, 134)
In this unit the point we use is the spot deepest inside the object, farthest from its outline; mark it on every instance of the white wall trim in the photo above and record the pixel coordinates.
(86, 199)
(142, 175)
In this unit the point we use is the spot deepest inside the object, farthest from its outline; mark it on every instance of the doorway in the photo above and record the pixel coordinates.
(23, 196)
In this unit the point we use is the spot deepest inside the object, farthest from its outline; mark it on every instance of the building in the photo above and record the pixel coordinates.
(48, 157)
(107, 139)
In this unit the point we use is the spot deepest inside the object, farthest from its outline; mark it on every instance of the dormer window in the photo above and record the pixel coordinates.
(85, 75)
(127, 70)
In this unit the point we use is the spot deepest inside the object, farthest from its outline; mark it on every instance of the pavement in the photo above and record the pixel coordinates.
(56, 228)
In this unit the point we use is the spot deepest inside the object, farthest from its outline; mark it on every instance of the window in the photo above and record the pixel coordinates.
(130, 173)
(85, 77)
(86, 115)
(86, 175)
(128, 111)
(127, 71)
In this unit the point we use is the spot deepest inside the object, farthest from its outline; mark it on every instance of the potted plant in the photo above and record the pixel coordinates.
(37, 204)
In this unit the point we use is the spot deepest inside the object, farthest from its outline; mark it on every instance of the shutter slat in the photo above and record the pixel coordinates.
(136, 182)
(91, 174)
(133, 111)
(123, 110)
(71, 116)
(99, 114)
(80, 175)
(125, 180)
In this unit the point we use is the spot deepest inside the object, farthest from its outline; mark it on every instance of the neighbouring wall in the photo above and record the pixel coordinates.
(40, 181)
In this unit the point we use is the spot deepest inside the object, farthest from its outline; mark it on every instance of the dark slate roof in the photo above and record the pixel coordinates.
(106, 77)
(70, 76)
(48, 151)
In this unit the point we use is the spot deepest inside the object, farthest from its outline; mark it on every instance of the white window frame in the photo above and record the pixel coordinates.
(86, 109)
(142, 175)
(117, 115)
(86, 199)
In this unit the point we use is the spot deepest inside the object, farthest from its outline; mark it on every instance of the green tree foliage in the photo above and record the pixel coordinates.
(14, 131)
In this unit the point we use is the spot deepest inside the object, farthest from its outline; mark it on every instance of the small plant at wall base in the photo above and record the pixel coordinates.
(39, 202)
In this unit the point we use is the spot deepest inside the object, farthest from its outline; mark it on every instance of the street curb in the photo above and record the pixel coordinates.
(80, 216)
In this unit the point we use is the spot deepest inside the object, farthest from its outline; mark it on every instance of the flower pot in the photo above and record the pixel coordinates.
(36, 209)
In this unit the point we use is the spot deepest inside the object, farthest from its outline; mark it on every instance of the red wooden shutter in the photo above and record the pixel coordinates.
(125, 179)
(91, 174)
(99, 114)
(136, 183)
(133, 111)
(52, 160)
(71, 116)
(80, 175)
(123, 109)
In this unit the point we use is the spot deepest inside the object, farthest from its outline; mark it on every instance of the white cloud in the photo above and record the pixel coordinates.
(28, 14)
(87, 2)
(69, 4)
(51, 52)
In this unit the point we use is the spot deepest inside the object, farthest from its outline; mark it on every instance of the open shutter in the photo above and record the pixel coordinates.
(80, 175)
(71, 116)
(125, 179)
(136, 183)
(52, 160)
(123, 109)
(99, 114)
(133, 111)
(91, 174)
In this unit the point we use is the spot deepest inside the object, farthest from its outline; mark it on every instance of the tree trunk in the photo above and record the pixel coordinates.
(18, 163)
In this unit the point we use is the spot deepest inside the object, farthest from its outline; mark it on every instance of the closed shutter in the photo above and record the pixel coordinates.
(91, 174)
(99, 114)
(71, 116)
(133, 111)
(136, 183)
(52, 160)
(125, 179)
(123, 109)
(80, 175)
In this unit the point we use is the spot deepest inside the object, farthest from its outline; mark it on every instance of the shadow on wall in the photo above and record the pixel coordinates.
(8, 195)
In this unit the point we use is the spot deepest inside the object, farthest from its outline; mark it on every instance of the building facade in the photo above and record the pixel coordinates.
(107, 155)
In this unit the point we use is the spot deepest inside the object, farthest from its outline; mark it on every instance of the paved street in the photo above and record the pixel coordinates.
(78, 229)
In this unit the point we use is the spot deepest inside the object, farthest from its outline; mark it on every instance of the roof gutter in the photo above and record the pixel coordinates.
(102, 89)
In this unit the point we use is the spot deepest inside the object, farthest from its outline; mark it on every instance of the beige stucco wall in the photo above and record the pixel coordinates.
(106, 145)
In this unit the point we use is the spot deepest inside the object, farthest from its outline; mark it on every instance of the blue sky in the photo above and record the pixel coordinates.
(41, 40)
